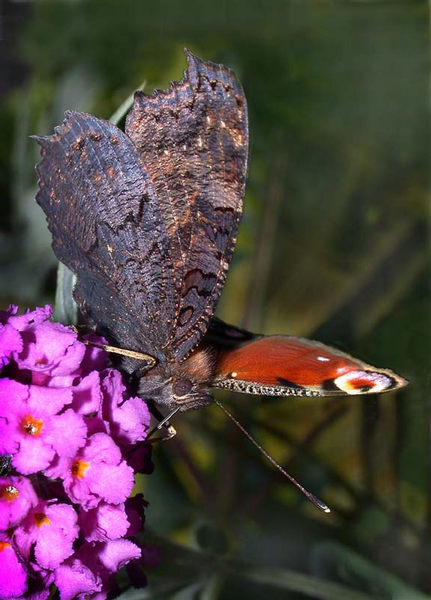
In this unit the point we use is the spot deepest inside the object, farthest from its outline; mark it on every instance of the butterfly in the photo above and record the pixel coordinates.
(147, 220)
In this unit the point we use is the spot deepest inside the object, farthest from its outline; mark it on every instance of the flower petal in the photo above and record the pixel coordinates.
(73, 578)
(17, 496)
(15, 586)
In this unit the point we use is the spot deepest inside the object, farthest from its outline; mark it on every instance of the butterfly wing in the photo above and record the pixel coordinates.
(107, 228)
(223, 335)
(290, 366)
(148, 219)
(193, 141)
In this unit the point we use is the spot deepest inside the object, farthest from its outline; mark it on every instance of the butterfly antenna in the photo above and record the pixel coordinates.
(321, 505)
(150, 360)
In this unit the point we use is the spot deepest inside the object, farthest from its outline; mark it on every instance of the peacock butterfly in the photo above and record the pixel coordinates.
(147, 220)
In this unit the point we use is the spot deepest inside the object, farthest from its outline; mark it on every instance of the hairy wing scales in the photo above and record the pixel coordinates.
(107, 228)
(193, 140)
(148, 220)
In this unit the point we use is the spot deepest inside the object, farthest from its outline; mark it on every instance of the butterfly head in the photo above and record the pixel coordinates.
(183, 384)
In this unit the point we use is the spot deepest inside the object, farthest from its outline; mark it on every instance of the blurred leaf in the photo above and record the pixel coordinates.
(298, 582)
(331, 559)
(65, 308)
(211, 590)
(125, 106)
(274, 577)
(161, 591)
(211, 539)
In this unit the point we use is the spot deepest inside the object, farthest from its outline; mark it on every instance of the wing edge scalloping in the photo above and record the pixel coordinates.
(182, 346)
(45, 201)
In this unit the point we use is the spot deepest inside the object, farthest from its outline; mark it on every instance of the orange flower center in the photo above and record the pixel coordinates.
(79, 468)
(42, 360)
(41, 519)
(32, 426)
(9, 493)
(4, 545)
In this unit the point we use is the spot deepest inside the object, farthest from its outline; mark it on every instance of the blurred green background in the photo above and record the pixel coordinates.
(334, 245)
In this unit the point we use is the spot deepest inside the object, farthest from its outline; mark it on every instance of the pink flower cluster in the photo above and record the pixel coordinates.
(68, 448)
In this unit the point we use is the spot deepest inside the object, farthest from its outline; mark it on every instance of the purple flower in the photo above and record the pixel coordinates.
(34, 317)
(68, 421)
(75, 580)
(49, 530)
(129, 421)
(106, 522)
(17, 496)
(107, 557)
(87, 394)
(96, 473)
(95, 359)
(34, 426)
(10, 342)
(50, 349)
(13, 575)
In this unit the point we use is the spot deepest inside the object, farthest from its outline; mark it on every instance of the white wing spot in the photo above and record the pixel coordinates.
(223, 124)
(200, 143)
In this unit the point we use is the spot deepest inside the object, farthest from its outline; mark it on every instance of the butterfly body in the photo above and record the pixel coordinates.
(183, 385)
(147, 220)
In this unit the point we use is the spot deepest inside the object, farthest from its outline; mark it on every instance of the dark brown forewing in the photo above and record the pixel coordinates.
(107, 228)
(193, 141)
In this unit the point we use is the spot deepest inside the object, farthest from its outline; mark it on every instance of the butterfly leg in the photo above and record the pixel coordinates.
(163, 422)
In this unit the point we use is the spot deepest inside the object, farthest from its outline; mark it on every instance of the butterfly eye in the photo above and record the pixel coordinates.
(182, 387)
